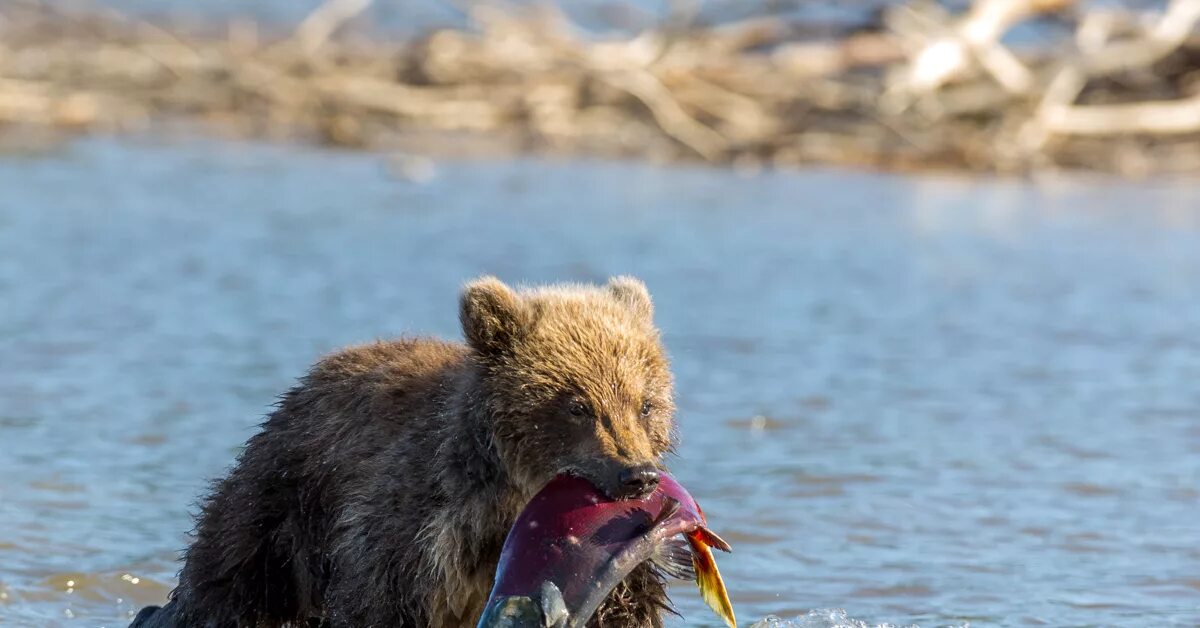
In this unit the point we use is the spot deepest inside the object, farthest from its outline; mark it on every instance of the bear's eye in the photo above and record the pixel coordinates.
(577, 408)
(647, 407)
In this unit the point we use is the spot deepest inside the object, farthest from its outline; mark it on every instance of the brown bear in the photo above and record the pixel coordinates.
(380, 490)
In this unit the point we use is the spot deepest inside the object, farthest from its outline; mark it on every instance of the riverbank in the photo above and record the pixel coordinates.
(916, 89)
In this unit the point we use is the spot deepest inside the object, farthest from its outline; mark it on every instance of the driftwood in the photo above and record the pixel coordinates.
(921, 89)
(1059, 115)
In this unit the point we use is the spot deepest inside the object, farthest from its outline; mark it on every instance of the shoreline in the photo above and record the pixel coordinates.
(749, 95)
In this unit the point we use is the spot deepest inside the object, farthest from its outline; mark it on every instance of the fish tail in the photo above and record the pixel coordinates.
(711, 539)
(708, 577)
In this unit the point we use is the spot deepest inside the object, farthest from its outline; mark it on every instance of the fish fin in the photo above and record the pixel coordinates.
(670, 507)
(711, 539)
(708, 578)
(673, 557)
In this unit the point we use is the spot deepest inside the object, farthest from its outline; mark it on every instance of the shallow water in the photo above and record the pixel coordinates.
(921, 400)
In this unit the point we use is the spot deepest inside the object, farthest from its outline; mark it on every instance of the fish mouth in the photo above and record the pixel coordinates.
(572, 545)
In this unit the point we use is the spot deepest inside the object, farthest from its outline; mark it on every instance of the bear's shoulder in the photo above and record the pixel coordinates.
(380, 366)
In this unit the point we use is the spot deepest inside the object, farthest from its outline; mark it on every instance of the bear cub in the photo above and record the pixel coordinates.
(380, 490)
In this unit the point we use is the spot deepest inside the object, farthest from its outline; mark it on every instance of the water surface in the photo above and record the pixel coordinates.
(921, 400)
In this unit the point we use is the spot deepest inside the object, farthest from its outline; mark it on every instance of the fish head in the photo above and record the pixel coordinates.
(572, 545)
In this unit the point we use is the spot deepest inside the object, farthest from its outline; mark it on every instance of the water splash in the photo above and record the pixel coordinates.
(826, 618)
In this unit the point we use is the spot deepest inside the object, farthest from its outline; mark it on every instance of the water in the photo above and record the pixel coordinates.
(411, 17)
(922, 400)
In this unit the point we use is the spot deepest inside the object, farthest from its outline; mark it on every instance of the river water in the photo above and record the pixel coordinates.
(920, 400)
(411, 17)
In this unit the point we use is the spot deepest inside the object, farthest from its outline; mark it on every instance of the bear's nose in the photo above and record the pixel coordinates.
(638, 481)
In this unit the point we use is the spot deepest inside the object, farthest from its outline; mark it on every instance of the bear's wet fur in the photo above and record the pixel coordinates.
(380, 490)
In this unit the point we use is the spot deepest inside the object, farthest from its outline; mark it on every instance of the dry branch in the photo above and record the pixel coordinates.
(327, 19)
(1150, 118)
(740, 93)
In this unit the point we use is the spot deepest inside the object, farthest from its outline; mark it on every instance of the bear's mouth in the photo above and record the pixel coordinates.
(572, 545)
(612, 490)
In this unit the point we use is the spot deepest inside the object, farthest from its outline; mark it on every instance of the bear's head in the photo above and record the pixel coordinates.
(574, 380)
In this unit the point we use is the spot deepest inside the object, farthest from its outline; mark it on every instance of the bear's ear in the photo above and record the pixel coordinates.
(632, 293)
(491, 314)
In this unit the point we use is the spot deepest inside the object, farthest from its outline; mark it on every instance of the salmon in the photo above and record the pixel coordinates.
(572, 545)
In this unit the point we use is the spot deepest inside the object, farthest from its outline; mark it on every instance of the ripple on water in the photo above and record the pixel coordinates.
(827, 618)
(77, 595)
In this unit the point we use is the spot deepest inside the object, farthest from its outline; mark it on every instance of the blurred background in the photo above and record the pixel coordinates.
(929, 273)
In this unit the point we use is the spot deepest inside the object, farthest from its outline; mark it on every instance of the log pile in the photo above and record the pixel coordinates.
(1115, 91)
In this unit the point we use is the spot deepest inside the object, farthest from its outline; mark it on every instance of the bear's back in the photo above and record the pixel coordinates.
(391, 375)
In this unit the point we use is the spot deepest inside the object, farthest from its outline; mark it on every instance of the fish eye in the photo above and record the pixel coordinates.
(646, 408)
(577, 408)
